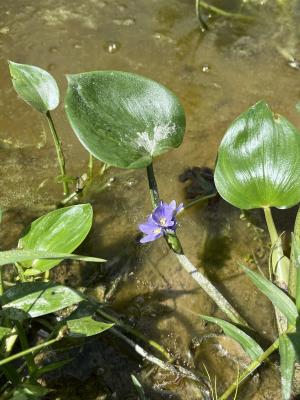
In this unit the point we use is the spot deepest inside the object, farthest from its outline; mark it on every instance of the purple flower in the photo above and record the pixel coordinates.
(162, 220)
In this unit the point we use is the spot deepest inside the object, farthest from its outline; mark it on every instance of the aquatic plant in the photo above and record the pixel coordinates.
(161, 221)
(126, 120)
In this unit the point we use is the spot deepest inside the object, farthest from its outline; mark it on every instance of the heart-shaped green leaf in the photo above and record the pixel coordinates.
(39, 298)
(35, 86)
(258, 161)
(123, 119)
(62, 230)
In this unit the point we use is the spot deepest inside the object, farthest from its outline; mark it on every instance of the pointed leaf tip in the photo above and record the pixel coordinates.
(249, 171)
(35, 86)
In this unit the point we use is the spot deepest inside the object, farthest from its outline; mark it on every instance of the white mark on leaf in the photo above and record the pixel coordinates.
(160, 132)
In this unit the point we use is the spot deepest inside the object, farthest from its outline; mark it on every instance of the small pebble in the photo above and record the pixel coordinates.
(111, 47)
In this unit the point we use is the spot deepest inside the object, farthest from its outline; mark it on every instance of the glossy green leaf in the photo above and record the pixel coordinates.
(258, 161)
(81, 323)
(14, 256)
(35, 86)
(251, 347)
(287, 365)
(86, 326)
(39, 298)
(62, 230)
(279, 299)
(123, 119)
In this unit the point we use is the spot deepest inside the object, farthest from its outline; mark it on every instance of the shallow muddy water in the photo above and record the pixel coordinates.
(217, 74)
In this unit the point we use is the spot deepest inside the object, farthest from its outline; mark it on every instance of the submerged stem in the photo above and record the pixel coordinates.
(59, 153)
(134, 332)
(253, 366)
(175, 246)
(176, 370)
(223, 13)
(196, 201)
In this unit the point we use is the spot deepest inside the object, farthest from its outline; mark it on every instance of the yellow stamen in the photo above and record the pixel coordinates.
(163, 221)
(157, 230)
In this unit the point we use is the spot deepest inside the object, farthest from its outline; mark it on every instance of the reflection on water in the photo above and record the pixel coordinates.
(217, 75)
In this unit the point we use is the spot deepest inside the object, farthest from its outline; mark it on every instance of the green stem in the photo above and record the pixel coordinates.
(152, 186)
(136, 333)
(252, 367)
(197, 201)
(59, 153)
(175, 246)
(90, 166)
(279, 265)
(223, 13)
(1, 281)
(280, 269)
(29, 351)
(24, 345)
(203, 24)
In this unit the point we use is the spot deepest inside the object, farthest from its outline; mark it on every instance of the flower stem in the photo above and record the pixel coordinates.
(152, 186)
(59, 153)
(210, 290)
(175, 246)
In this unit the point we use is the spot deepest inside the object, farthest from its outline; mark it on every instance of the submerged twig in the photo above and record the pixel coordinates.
(136, 333)
(176, 370)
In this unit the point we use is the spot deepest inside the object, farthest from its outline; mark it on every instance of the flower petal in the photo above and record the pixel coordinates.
(147, 227)
(151, 237)
(172, 205)
(179, 208)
